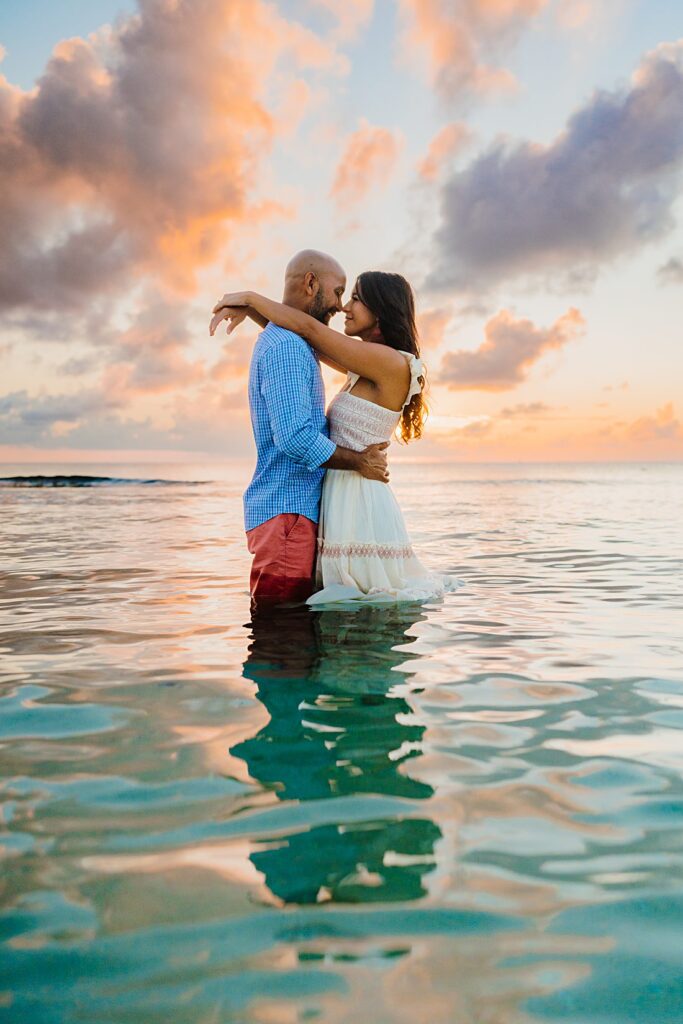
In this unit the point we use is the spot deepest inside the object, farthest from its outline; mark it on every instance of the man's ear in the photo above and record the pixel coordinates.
(311, 283)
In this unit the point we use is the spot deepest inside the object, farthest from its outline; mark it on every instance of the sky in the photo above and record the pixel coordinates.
(519, 161)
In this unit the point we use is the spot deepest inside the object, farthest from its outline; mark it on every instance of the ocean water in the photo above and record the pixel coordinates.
(467, 812)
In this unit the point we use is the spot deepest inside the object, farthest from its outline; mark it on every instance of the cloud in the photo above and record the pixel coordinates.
(207, 420)
(663, 425)
(351, 15)
(671, 272)
(604, 187)
(234, 360)
(536, 431)
(431, 327)
(212, 420)
(76, 366)
(446, 144)
(132, 166)
(149, 394)
(524, 409)
(574, 13)
(148, 356)
(137, 151)
(457, 38)
(511, 348)
(367, 160)
(475, 430)
(26, 418)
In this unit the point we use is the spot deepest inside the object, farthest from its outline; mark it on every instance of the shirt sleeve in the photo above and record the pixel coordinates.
(286, 387)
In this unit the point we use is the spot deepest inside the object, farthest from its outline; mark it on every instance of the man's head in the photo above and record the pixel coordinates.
(314, 283)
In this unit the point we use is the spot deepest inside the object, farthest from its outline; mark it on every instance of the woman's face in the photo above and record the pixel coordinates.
(359, 319)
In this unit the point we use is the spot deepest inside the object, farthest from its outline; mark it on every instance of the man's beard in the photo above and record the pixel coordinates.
(320, 310)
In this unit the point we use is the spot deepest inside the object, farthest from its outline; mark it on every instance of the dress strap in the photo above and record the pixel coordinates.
(416, 371)
(351, 379)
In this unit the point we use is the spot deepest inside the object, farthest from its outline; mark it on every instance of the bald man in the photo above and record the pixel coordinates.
(287, 404)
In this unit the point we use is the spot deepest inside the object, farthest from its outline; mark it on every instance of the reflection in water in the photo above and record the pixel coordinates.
(336, 728)
(187, 839)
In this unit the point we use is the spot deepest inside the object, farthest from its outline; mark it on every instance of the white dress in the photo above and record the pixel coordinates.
(364, 551)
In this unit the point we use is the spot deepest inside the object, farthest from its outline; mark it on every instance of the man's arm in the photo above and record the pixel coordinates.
(286, 386)
(371, 463)
(369, 359)
(235, 315)
(286, 389)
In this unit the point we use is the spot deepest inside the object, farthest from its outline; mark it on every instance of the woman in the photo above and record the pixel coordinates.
(364, 551)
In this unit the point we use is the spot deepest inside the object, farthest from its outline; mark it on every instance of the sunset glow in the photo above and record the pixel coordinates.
(518, 160)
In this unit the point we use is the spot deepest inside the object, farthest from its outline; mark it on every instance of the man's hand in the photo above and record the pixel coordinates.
(233, 314)
(372, 463)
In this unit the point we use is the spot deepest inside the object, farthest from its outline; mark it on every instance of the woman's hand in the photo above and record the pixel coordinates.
(234, 299)
(233, 307)
(234, 315)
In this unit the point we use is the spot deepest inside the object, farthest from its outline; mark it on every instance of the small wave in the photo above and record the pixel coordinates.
(78, 480)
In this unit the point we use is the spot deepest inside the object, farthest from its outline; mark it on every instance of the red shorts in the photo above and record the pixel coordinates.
(284, 556)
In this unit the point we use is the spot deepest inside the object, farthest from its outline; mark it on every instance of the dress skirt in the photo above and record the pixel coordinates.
(364, 551)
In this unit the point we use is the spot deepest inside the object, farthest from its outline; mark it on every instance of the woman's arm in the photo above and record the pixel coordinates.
(236, 315)
(257, 317)
(366, 358)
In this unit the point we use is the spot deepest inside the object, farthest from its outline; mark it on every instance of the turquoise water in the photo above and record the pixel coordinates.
(470, 811)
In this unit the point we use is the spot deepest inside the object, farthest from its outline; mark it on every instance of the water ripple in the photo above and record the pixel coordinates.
(465, 811)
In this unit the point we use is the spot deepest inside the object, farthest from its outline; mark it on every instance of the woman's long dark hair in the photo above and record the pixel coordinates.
(390, 298)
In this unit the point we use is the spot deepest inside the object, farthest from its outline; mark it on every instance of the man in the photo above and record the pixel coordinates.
(287, 405)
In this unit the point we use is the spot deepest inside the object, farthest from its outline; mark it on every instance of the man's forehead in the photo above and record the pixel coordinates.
(335, 276)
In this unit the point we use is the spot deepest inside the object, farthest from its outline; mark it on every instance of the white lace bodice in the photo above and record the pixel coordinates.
(356, 422)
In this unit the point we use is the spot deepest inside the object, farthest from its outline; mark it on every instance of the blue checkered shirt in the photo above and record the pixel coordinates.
(287, 405)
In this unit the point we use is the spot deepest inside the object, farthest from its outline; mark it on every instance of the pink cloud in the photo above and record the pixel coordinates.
(137, 152)
(431, 327)
(148, 357)
(662, 425)
(458, 37)
(511, 346)
(134, 164)
(233, 362)
(445, 145)
(350, 15)
(368, 159)
(513, 434)
(525, 410)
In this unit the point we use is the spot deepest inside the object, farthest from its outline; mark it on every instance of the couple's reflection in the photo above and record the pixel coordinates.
(337, 729)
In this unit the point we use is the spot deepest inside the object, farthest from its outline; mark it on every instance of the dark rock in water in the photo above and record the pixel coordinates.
(78, 480)
(58, 480)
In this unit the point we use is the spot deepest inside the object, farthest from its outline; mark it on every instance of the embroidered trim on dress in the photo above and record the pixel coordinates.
(327, 550)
